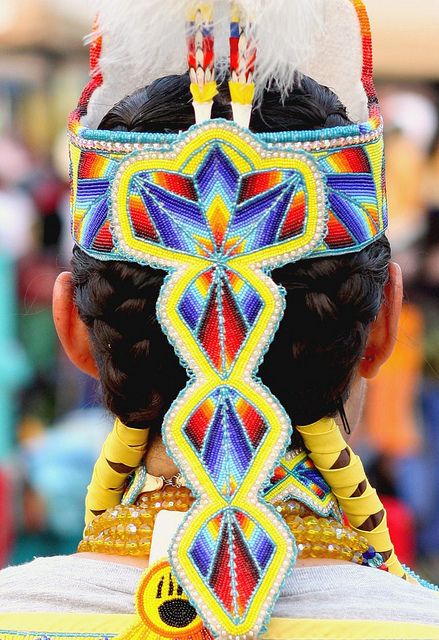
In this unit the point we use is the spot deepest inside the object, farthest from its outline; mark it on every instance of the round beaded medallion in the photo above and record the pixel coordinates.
(164, 610)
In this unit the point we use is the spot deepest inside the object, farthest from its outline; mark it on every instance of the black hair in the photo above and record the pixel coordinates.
(331, 302)
(166, 106)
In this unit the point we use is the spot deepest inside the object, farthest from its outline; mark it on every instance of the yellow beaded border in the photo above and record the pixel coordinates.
(185, 159)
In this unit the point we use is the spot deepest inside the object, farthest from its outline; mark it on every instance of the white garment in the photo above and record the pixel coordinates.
(72, 584)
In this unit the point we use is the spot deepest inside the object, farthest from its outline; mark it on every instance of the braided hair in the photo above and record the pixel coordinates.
(331, 302)
(139, 371)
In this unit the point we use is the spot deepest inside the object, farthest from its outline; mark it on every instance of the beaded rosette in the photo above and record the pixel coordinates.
(218, 208)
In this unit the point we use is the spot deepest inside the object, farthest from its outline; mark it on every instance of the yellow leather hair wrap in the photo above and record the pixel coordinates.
(325, 443)
(121, 454)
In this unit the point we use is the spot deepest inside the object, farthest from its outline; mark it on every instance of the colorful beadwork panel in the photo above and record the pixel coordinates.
(164, 206)
(218, 210)
(226, 432)
(233, 553)
(220, 309)
(297, 477)
(215, 212)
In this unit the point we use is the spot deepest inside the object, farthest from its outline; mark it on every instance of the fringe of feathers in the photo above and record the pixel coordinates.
(146, 38)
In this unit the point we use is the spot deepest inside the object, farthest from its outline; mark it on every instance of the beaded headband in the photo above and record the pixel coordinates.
(218, 207)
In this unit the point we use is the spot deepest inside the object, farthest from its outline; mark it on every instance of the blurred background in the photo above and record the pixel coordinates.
(52, 426)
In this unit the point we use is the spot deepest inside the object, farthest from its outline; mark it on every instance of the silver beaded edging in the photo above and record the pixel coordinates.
(125, 148)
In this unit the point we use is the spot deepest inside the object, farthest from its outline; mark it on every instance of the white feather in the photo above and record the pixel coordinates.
(142, 40)
(286, 34)
(147, 35)
(145, 39)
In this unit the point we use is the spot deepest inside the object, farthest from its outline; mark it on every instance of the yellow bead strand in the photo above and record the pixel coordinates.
(127, 529)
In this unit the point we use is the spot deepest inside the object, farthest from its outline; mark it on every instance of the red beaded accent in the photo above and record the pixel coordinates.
(96, 79)
(367, 74)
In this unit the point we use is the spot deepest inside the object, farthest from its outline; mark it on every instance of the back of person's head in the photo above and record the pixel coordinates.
(331, 302)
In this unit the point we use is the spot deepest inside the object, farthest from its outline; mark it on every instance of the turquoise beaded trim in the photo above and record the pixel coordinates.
(422, 581)
(373, 126)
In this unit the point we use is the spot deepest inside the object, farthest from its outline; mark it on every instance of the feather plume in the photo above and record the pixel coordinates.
(286, 34)
(142, 40)
(145, 39)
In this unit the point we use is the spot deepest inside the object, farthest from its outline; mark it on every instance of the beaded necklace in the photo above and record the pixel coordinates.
(127, 529)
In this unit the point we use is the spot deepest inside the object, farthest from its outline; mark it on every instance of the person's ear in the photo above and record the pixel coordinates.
(72, 332)
(384, 329)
